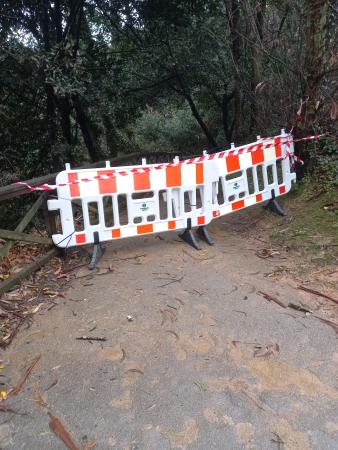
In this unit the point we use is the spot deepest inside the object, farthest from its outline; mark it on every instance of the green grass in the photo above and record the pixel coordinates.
(312, 223)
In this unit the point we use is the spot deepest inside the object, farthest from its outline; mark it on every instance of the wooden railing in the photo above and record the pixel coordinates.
(15, 190)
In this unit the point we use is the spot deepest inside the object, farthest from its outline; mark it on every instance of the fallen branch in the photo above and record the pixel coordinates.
(178, 280)
(60, 431)
(329, 323)
(91, 338)
(320, 294)
(28, 270)
(271, 298)
(18, 387)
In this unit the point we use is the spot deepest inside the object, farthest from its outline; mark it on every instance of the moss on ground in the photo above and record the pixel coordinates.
(311, 227)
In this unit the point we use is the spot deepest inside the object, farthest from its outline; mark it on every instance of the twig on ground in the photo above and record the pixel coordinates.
(320, 294)
(130, 257)
(18, 387)
(328, 322)
(91, 338)
(271, 298)
(70, 269)
(177, 280)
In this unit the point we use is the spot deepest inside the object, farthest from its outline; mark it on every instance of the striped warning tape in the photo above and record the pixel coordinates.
(259, 146)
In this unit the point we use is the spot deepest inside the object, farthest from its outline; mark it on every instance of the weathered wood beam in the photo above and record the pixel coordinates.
(17, 236)
(23, 224)
(27, 270)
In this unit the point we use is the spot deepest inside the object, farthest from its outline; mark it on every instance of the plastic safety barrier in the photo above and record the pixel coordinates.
(257, 173)
(121, 202)
(135, 203)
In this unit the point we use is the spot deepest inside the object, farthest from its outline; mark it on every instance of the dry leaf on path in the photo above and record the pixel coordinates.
(60, 431)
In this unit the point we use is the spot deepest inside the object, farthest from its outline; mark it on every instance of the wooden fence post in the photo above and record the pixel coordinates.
(23, 224)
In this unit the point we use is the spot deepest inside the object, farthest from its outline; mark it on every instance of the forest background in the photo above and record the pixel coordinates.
(85, 80)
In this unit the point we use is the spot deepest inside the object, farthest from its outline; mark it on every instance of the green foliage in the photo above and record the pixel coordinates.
(85, 80)
(325, 166)
(167, 129)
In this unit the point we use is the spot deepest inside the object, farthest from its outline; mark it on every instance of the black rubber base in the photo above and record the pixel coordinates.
(204, 234)
(275, 207)
(98, 252)
(189, 238)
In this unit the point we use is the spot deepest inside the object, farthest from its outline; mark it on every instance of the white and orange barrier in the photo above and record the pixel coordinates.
(120, 202)
(253, 174)
(134, 204)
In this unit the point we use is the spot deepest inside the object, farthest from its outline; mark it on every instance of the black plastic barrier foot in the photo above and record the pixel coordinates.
(274, 206)
(98, 252)
(188, 236)
(204, 234)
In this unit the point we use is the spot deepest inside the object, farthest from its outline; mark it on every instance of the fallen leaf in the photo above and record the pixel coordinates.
(266, 351)
(4, 277)
(88, 444)
(93, 326)
(39, 400)
(60, 431)
(200, 386)
(36, 309)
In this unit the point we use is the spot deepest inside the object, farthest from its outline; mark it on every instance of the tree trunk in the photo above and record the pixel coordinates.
(200, 121)
(88, 129)
(316, 13)
(194, 110)
(227, 128)
(316, 19)
(256, 31)
(233, 11)
(111, 136)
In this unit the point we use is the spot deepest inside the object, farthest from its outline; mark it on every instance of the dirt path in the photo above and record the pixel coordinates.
(204, 361)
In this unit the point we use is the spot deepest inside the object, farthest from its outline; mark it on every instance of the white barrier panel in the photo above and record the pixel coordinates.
(255, 176)
(134, 204)
(121, 202)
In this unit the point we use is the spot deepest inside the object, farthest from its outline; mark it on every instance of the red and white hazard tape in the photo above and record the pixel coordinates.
(236, 151)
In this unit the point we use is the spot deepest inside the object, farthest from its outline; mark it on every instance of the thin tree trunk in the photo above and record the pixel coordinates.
(89, 133)
(110, 135)
(316, 14)
(227, 128)
(194, 110)
(316, 20)
(256, 30)
(233, 13)
(199, 120)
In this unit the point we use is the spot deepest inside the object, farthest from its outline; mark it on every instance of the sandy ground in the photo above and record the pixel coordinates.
(204, 361)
